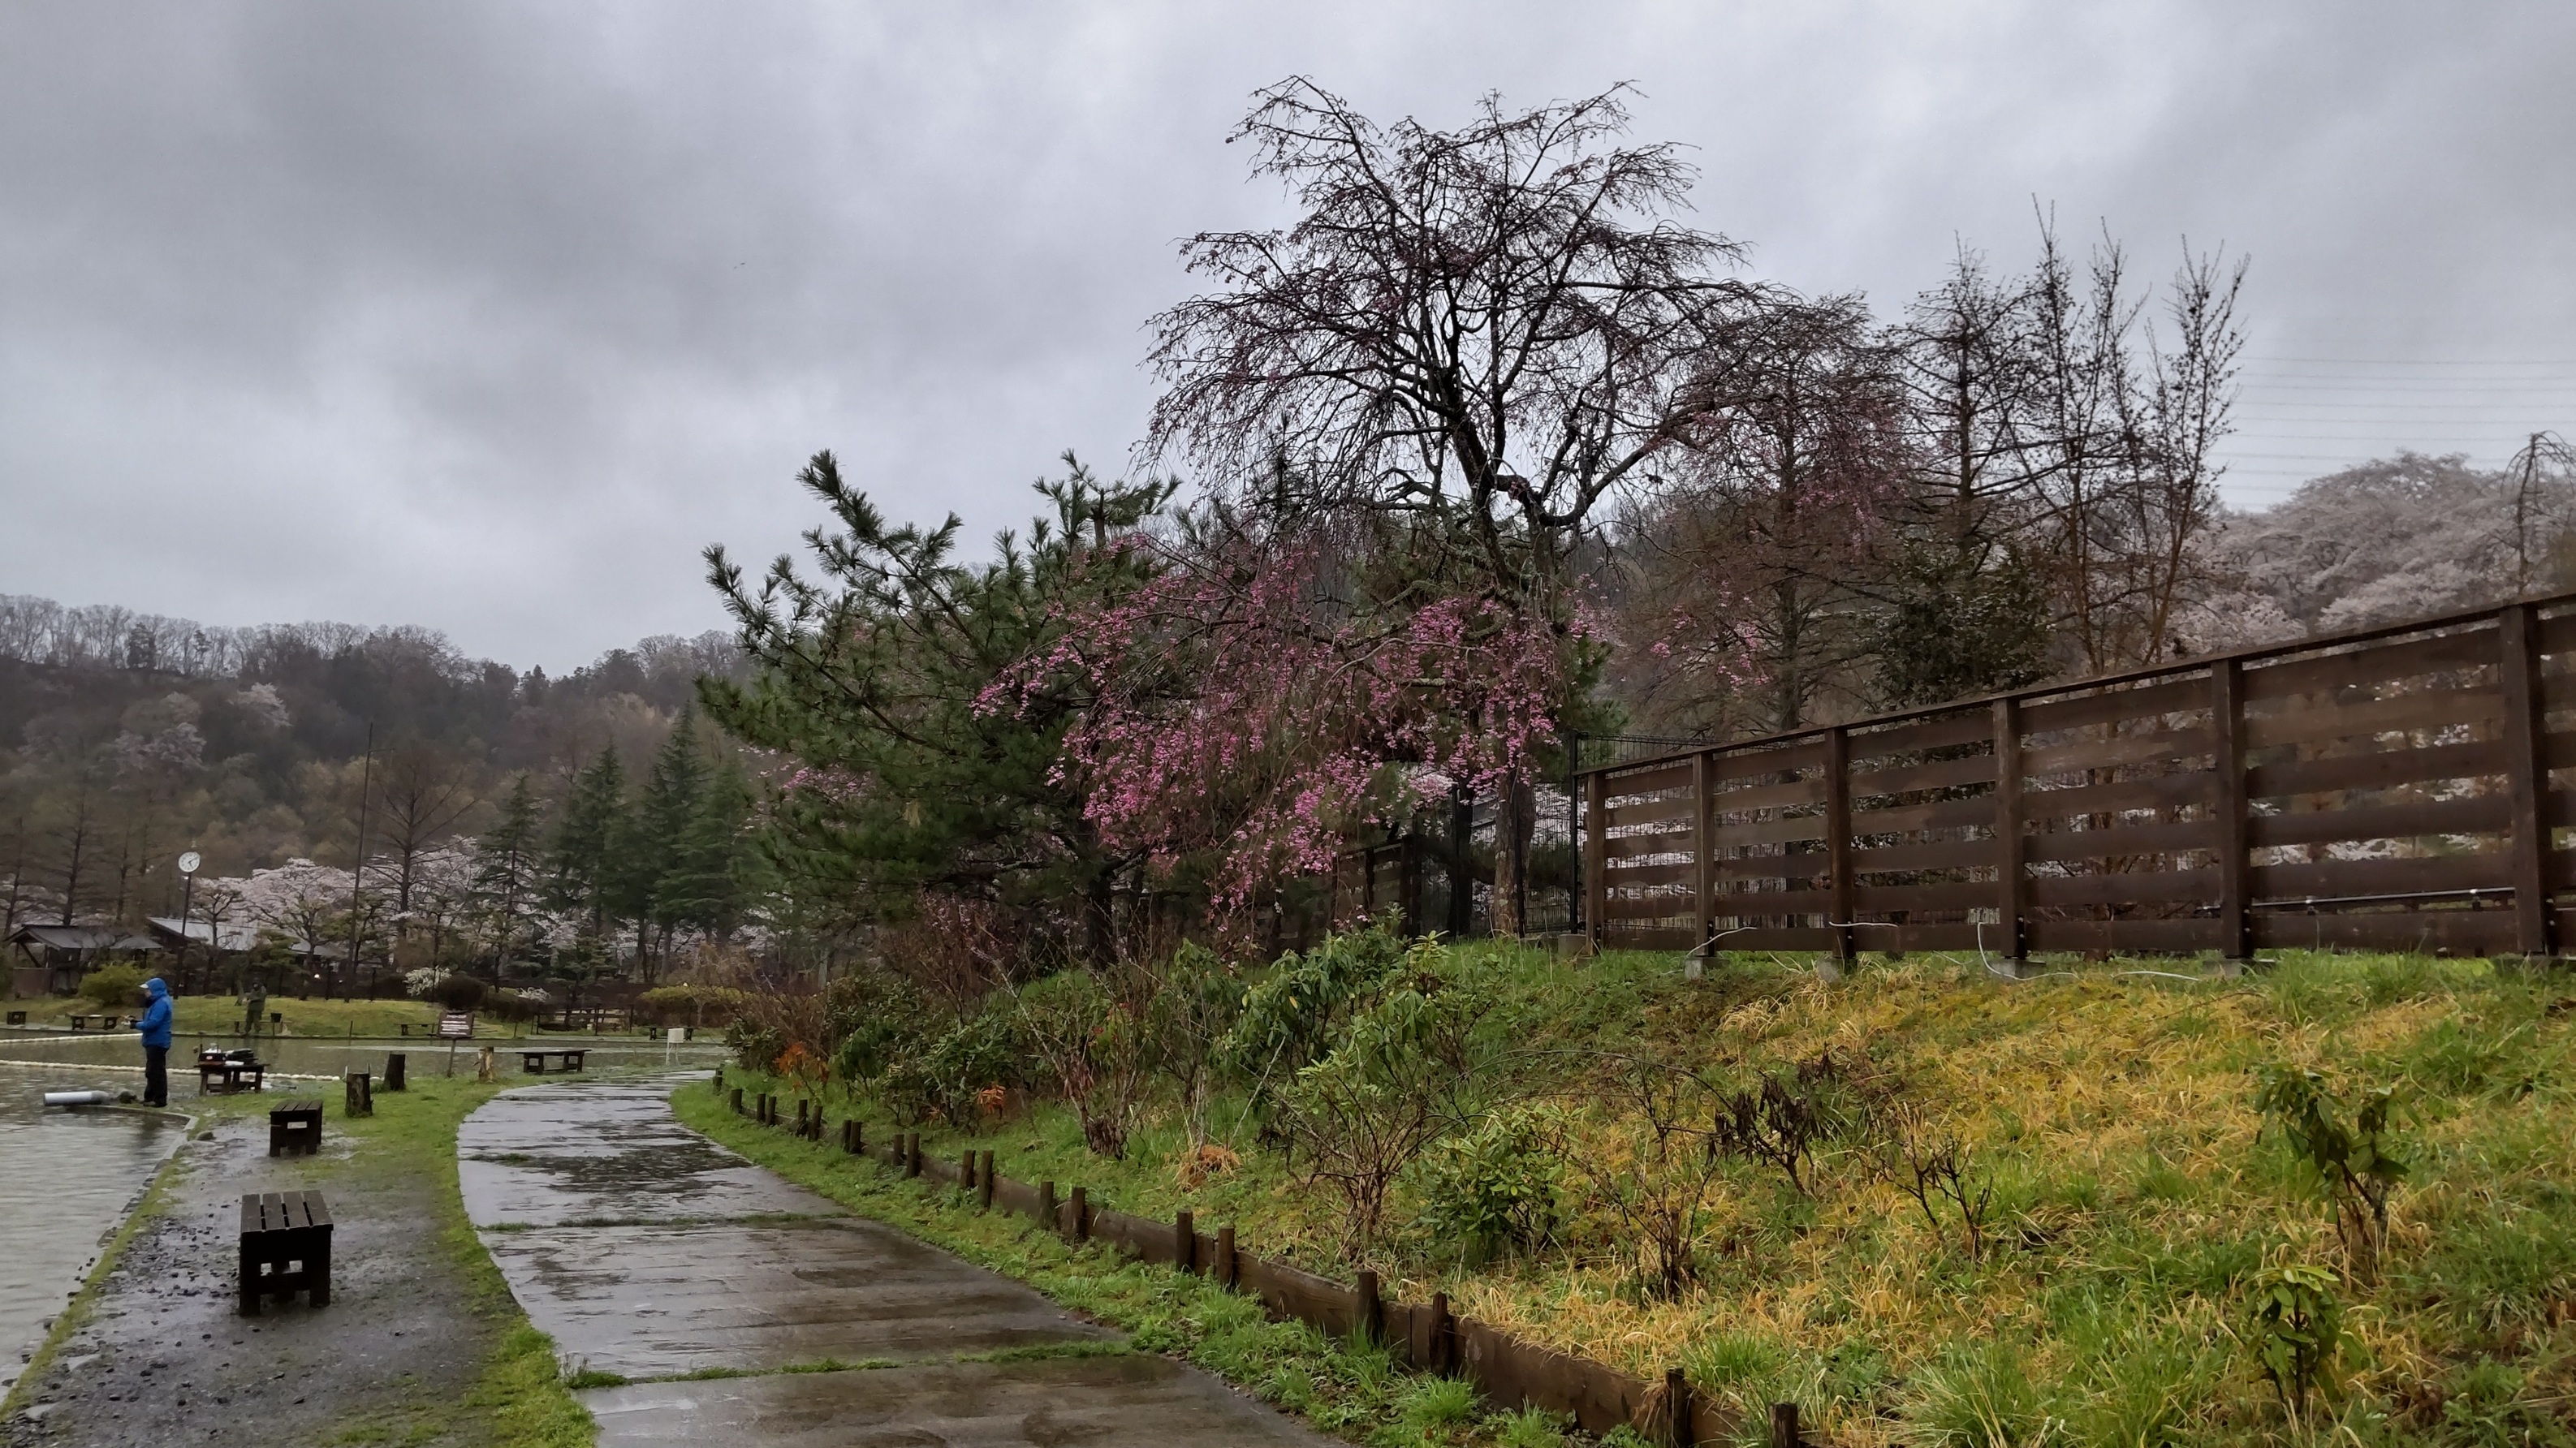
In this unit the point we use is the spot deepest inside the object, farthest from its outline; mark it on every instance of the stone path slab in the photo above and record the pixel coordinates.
(658, 1301)
(1136, 1400)
(650, 1252)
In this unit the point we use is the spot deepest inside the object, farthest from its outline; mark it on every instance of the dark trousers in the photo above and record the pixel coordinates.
(156, 1075)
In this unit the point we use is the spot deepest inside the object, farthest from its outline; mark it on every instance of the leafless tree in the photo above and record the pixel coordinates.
(422, 794)
(1475, 335)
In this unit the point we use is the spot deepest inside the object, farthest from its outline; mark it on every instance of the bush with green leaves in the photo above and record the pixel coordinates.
(2296, 1329)
(1417, 1058)
(875, 1017)
(2350, 1154)
(114, 987)
(1496, 1188)
(943, 1079)
(1289, 1018)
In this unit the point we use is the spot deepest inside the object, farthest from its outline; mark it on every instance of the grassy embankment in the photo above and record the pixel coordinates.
(2135, 1195)
(221, 1015)
(406, 1151)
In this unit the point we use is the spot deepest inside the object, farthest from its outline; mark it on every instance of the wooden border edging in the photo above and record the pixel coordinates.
(1421, 1335)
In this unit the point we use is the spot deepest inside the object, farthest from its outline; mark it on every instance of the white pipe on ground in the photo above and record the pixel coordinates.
(78, 1098)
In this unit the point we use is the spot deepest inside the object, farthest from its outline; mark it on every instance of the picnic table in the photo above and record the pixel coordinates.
(285, 1248)
(222, 1075)
(534, 1062)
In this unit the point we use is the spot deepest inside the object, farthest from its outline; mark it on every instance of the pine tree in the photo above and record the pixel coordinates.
(657, 829)
(506, 871)
(579, 864)
(713, 875)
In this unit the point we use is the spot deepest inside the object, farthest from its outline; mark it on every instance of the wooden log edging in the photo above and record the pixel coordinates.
(1424, 1335)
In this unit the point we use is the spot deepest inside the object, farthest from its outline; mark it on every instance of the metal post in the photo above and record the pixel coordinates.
(1596, 840)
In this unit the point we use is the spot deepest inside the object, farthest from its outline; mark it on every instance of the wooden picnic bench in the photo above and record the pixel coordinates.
(295, 1129)
(534, 1062)
(285, 1248)
(222, 1076)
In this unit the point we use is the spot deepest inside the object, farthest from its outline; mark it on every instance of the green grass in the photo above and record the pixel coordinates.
(2108, 1104)
(222, 1015)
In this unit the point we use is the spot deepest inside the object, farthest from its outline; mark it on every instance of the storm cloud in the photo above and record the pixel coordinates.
(487, 317)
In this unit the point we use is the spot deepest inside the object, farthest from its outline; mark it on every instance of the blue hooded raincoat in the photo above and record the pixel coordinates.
(155, 1024)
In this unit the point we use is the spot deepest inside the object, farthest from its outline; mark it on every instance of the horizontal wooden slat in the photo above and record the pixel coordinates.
(1754, 763)
(2456, 931)
(1777, 831)
(2383, 770)
(1880, 899)
(1629, 847)
(1939, 774)
(1770, 796)
(2129, 794)
(1651, 780)
(1804, 865)
(2150, 701)
(2381, 877)
(1623, 876)
(1651, 812)
(1934, 855)
(1616, 937)
(2428, 709)
(2467, 815)
(1781, 937)
(2161, 935)
(1965, 728)
(1772, 902)
(2128, 840)
(2116, 751)
(1938, 815)
(2148, 887)
(2373, 663)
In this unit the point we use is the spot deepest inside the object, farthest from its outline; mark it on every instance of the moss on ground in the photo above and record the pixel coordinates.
(2108, 1104)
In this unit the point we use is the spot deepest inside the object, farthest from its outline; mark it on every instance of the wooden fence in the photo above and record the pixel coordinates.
(2398, 788)
(1424, 1335)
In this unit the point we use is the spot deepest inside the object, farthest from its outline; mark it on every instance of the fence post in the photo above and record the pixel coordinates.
(2526, 775)
(1462, 889)
(1444, 1336)
(1838, 841)
(2012, 882)
(1677, 1399)
(1703, 852)
(1185, 1242)
(1228, 1270)
(1046, 1206)
(736, 1092)
(1081, 1214)
(984, 1182)
(1371, 1326)
(1784, 1425)
(1596, 839)
(2227, 810)
(912, 1154)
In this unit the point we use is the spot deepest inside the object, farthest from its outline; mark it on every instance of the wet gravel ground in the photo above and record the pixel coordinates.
(166, 1358)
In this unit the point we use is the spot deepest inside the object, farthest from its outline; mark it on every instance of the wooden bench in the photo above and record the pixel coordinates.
(534, 1062)
(285, 1249)
(221, 1077)
(295, 1129)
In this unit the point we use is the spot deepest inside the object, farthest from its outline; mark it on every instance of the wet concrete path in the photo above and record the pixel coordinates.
(651, 1253)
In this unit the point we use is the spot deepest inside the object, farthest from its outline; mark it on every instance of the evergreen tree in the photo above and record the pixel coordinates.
(716, 872)
(579, 865)
(506, 878)
(648, 856)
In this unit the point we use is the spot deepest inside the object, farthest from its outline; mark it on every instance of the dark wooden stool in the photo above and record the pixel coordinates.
(394, 1071)
(285, 1248)
(295, 1129)
(359, 1098)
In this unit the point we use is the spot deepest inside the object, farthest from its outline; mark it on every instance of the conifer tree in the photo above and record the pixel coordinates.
(647, 857)
(506, 877)
(579, 863)
(714, 874)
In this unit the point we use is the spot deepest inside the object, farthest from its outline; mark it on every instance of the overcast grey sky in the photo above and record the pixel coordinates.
(487, 317)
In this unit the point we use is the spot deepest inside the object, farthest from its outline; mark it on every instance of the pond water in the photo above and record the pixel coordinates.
(65, 1180)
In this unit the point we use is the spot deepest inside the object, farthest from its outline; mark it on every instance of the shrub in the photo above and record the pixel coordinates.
(2351, 1156)
(458, 992)
(1651, 1160)
(1495, 1187)
(1097, 1041)
(2297, 1329)
(943, 1079)
(114, 987)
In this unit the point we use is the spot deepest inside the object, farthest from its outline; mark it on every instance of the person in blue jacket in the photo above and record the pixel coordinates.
(155, 1027)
